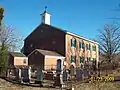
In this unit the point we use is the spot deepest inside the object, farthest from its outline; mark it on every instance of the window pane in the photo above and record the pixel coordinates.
(81, 59)
(24, 61)
(73, 42)
(87, 59)
(80, 45)
(94, 48)
(83, 45)
(73, 59)
(89, 46)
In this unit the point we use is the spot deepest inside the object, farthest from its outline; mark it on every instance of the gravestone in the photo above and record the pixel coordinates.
(25, 72)
(59, 73)
(72, 70)
(29, 73)
(65, 75)
(86, 73)
(79, 73)
(39, 77)
(19, 75)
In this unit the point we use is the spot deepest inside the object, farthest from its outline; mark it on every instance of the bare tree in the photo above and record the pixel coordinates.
(109, 41)
(9, 38)
(8, 42)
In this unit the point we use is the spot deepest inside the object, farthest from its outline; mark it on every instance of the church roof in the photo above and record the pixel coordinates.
(65, 31)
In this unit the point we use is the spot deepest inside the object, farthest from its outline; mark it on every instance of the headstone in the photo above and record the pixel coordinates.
(65, 75)
(19, 71)
(79, 73)
(57, 80)
(25, 74)
(29, 73)
(61, 79)
(59, 73)
(39, 75)
(86, 73)
(72, 70)
(19, 74)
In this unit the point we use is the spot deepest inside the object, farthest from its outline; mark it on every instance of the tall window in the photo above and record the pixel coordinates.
(94, 59)
(25, 61)
(73, 42)
(73, 59)
(94, 48)
(80, 44)
(88, 59)
(87, 46)
(83, 45)
(81, 59)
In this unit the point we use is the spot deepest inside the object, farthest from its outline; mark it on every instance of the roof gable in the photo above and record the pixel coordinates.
(46, 52)
(42, 26)
(17, 54)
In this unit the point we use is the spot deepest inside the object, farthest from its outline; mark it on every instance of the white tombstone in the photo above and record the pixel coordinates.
(19, 74)
(60, 65)
(29, 73)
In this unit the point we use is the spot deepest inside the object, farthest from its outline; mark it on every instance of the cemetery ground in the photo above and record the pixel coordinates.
(5, 85)
(114, 85)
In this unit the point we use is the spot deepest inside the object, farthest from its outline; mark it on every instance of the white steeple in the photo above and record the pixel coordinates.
(45, 17)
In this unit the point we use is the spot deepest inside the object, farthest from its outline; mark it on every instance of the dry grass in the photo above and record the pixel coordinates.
(5, 85)
(102, 85)
(99, 86)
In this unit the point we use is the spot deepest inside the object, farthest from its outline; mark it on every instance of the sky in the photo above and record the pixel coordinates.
(83, 17)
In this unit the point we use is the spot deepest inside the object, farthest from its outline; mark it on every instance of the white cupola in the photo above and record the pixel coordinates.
(45, 17)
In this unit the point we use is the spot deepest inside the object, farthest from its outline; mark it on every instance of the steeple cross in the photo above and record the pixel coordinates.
(45, 8)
